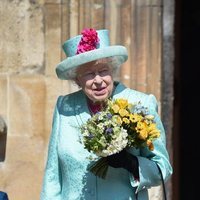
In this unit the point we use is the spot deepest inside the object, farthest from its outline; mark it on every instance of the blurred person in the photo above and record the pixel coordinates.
(3, 196)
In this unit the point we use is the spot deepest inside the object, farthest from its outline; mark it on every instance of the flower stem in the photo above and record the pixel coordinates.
(99, 168)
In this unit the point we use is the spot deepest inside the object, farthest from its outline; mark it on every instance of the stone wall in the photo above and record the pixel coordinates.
(27, 97)
(28, 111)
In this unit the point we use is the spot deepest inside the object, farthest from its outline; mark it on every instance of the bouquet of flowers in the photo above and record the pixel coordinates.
(119, 126)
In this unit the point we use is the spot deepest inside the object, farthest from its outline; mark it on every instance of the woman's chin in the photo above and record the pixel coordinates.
(99, 98)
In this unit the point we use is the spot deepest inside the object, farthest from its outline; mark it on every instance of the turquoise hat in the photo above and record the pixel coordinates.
(90, 46)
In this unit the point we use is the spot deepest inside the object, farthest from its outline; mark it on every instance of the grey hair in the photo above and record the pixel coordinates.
(72, 73)
(114, 62)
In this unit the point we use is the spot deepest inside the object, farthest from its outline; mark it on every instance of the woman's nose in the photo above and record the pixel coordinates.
(97, 78)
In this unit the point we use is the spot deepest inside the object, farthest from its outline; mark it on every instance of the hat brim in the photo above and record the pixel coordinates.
(63, 68)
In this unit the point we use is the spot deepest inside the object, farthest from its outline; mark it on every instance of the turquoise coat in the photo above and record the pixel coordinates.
(66, 176)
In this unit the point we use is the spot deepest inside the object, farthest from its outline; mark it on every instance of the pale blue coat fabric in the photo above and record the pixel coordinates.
(66, 176)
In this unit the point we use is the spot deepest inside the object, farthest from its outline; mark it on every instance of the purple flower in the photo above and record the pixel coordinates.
(90, 136)
(109, 116)
(109, 130)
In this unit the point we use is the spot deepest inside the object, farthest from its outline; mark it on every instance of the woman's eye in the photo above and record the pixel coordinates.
(104, 72)
(88, 74)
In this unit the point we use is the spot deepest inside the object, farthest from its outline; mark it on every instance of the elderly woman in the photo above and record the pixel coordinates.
(91, 62)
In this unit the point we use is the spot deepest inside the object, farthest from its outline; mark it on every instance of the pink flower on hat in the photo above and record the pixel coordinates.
(89, 40)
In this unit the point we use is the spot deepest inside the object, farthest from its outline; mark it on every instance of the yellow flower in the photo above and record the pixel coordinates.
(123, 112)
(154, 134)
(153, 131)
(152, 127)
(126, 120)
(117, 119)
(150, 145)
(122, 103)
(135, 118)
(143, 134)
(142, 129)
(142, 125)
(115, 108)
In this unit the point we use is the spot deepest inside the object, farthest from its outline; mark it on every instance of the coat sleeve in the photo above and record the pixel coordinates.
(148, 160)
(51, 187)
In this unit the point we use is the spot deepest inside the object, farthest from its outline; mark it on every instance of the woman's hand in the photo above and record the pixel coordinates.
(124, 160)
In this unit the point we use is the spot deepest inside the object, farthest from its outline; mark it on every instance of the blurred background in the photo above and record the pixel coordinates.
(162, 40)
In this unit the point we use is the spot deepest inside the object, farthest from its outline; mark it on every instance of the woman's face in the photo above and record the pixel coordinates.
(95, 78)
